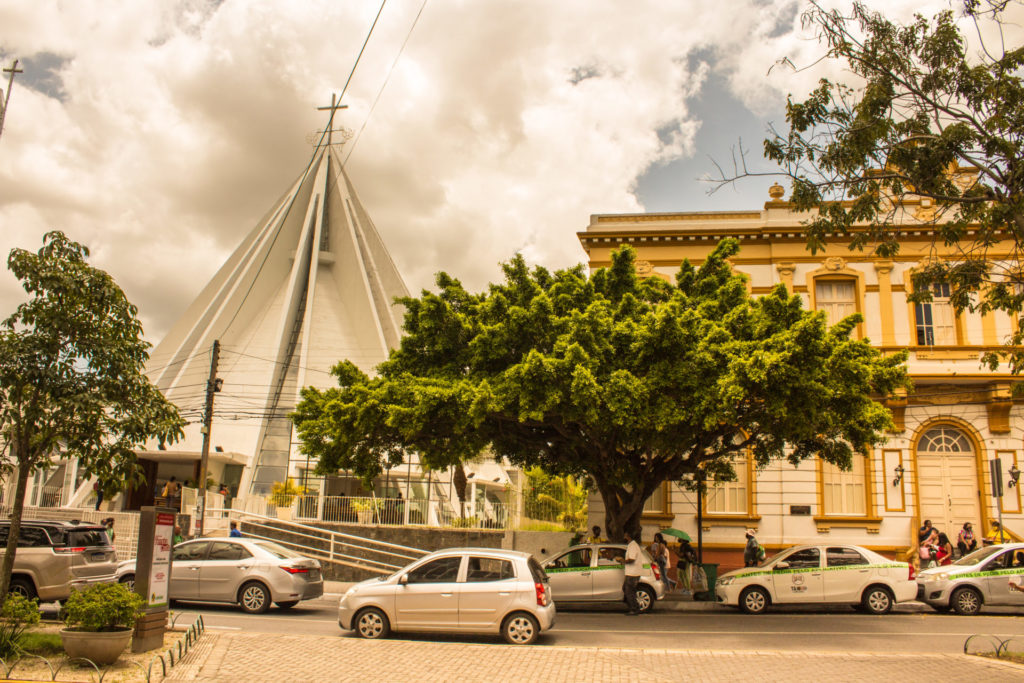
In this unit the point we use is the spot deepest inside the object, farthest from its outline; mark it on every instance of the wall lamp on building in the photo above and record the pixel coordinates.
(1014, 476)
(899, 475)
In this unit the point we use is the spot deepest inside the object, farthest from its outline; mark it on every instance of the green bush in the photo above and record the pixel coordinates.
(282, 493)
(465, 522)
(17, 616)
(103, 607)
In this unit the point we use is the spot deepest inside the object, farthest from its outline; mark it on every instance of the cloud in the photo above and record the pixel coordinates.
(159, 132)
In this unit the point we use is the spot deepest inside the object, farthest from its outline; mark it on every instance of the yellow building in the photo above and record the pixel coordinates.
(958, 417)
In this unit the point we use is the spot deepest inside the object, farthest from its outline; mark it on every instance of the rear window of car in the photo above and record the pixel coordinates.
(277, 551)
(537, 571)
(88, 538)
(844, 557)
(489, 569)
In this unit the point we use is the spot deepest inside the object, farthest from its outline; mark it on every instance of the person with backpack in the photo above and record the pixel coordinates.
(752, 552)
(686, 557)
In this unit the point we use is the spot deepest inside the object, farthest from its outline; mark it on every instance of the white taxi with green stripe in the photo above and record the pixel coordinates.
(983, 577)
(595, 572)
(819, 574)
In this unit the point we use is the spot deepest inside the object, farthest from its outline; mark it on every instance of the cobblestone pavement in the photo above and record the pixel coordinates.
(244, 657)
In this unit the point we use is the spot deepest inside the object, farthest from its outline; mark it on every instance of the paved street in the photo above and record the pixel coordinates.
(252, 657)
(817, 630)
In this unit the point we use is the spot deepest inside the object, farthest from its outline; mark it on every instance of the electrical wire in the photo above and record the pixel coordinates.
(387, 78)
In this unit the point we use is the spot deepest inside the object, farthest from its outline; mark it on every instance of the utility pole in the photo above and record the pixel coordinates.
(5, 98)
(213, 385)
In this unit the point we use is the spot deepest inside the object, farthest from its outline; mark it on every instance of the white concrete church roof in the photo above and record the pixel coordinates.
(310, 285)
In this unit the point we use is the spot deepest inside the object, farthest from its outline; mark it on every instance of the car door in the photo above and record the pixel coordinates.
(1016, 597)
(487, 592)
(187, 559)
(571, 576)
(427, 596)
(995, 579)
(609, 573)
(847, 574)
(797, 577)
(221, 574)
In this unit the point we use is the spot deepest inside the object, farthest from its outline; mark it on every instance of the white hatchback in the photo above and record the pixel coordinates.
(820, 574)
(459, 590)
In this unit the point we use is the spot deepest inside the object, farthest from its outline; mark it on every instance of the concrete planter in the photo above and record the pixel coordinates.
(101, 647)
(284, 514)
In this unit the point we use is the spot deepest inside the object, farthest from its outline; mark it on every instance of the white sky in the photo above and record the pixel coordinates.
(157, 132)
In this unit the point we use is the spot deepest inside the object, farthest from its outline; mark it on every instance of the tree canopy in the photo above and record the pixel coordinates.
(71, 376)
(927, 115)
(630, 381)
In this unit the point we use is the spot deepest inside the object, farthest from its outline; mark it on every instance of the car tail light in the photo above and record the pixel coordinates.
(543, 597)
(910, 572)
(296, 570)
(68, 551)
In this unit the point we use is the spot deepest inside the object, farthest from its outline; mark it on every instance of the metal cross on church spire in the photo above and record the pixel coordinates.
(4, 99)
(335, 106)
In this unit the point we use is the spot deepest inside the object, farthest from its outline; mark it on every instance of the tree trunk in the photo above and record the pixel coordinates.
(459, 481)
(17, 508)
(620, 516)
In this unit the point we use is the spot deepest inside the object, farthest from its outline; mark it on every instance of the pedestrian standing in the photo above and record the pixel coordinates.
(752, 550)
(659, 553)
(925, 531)
(634, 570)
(234, 533)
(685, 557)
(109, 524)
(595, 536)
(99, 494)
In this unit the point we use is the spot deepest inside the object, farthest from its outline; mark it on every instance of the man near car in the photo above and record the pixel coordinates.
(925, 531)
(752, 550)
(595, 537)
(634, 569)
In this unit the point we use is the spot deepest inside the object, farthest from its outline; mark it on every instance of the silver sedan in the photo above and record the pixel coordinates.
(247, 572)
(595, 573)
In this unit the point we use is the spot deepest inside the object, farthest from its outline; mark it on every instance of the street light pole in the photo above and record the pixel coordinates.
(5, 98)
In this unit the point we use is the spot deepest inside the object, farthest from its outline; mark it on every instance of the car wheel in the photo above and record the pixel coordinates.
(877, 600)
(254, 598)
(520, 629)
(966, 601)
(23, 587)
(288, 605)
(754, 600)
(372, 624)
(645, 599)
(128, 580)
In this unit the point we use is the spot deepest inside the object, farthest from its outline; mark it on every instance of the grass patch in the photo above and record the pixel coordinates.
(538, 525)
(42, 644)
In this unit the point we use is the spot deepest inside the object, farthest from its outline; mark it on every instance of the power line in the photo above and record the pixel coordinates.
(387, 78)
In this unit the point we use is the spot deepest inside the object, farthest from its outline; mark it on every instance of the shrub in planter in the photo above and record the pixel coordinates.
(99, 621)
(17, 616)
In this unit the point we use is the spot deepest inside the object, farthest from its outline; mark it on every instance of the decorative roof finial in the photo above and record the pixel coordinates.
(776, 192)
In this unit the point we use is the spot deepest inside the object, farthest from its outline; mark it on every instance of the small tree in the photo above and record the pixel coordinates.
(282, 493)
(71, 377)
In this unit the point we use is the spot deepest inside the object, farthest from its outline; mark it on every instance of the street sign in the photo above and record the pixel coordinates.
(996, 470)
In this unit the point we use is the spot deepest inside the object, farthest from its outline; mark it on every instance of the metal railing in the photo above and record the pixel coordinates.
(327, 545)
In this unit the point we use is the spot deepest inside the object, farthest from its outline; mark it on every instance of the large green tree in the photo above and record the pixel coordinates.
(71, 380)
(932, 110)
(630, 381)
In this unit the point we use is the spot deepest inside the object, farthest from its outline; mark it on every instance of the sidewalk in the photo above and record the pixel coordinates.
(245, 658)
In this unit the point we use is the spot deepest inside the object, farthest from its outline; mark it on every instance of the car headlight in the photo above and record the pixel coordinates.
(942, 576)
(725, 580)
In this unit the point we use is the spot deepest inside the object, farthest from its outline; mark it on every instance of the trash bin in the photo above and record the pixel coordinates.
(711, 572)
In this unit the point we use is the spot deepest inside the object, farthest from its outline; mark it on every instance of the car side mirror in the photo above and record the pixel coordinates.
(781, 565)
(403, 579)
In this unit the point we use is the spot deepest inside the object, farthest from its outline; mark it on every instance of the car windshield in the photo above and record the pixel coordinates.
(979, 555)
(277, 551)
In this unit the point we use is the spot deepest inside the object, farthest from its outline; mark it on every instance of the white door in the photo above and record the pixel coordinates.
(947, 473)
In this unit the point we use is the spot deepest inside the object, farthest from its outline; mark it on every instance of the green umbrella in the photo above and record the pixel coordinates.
(681, 535)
